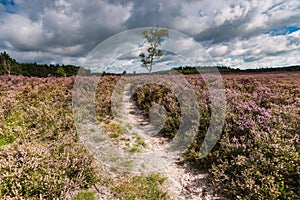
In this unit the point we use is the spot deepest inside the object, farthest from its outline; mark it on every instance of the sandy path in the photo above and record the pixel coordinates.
(183, 182)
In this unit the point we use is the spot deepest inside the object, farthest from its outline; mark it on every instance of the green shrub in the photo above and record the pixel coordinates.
(148, 95)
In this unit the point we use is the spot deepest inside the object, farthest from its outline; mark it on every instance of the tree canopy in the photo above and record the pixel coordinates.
(154, 37)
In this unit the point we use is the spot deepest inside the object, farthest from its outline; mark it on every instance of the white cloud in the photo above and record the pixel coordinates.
(231, 31)
(262, 50)
(62, 27)
(20, 32)
(219, 50)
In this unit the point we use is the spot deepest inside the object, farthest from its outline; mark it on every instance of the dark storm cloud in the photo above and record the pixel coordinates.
(225, 32)
(153, 13)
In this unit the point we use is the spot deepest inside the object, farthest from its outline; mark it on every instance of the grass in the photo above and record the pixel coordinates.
(114, 127)
(3, 142)
(134, 149)
(85, 195)
(140, 142)
(98, 138)
(130, 141)
(93, 130)
(114, 135)
(141, 187)
(129, 126)
(125, 139)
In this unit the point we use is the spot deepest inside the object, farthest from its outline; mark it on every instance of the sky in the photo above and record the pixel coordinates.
(236, 33)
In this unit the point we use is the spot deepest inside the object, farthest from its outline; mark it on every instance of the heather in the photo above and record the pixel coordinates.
(151, 94)
(40, 154)
(257, 156)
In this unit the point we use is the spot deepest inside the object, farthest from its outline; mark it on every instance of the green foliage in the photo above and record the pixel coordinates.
(104, 91)
(114, 135)
(85, 195)
(224, 69)
(60, 72)
(148, 95)
(9, 66)
(154, 37)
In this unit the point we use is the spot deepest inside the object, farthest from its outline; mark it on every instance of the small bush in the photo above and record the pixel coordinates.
(148, 95)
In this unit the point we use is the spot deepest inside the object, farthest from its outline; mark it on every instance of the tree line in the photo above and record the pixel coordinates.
(225, 69)
(9, 66)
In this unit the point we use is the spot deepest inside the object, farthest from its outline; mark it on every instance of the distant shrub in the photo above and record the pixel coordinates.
(148, 95)
(104, 92)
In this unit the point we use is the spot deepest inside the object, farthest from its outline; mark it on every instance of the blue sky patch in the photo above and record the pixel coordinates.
(285, 30)
(7, 5)
(7, 2)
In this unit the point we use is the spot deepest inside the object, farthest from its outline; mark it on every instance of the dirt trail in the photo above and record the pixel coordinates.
(183, 182)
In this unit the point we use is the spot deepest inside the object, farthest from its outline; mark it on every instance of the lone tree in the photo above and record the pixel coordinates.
(155, 37)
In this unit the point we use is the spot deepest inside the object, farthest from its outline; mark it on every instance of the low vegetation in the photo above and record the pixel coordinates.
(9, 66)
(257, 156)
(85, 195)
(149, 95)
(141, 187)
(40, 154)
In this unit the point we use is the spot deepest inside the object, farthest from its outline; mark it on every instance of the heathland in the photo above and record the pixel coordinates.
(256, 157)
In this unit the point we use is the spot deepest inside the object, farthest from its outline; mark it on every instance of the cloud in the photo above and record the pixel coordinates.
(153, 13)
(20, 32)
(262, 50)
(220, 50)
(63, 27)
(237, 32)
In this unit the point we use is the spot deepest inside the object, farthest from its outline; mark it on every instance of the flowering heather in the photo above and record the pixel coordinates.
(257, 156)
(40, 156)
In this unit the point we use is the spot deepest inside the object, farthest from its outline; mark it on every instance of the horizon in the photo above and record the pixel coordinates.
(176, 68)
